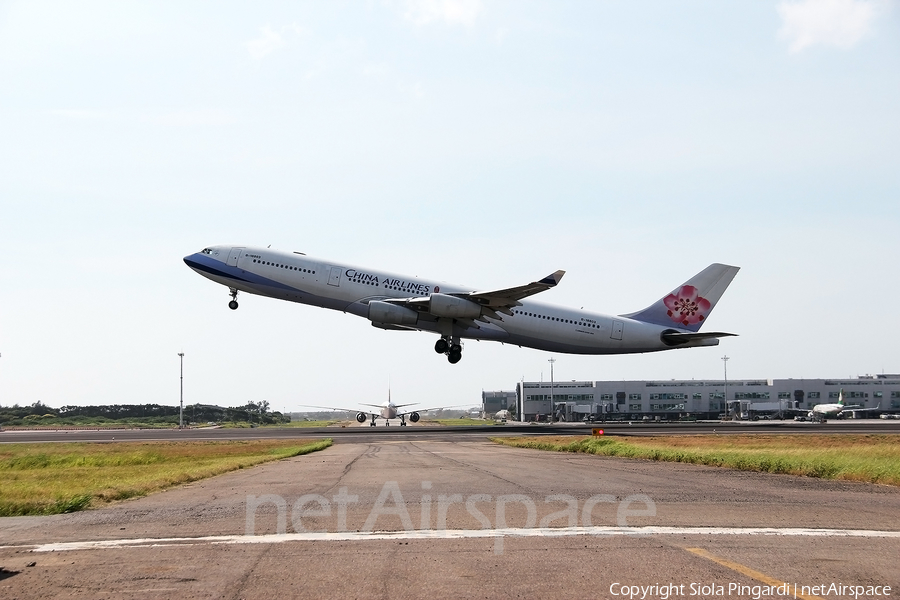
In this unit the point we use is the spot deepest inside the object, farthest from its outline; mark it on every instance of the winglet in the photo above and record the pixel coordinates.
(553, 278)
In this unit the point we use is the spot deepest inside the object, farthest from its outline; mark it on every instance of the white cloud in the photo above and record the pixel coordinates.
(269, 41)
(451, 12)
(840, 23)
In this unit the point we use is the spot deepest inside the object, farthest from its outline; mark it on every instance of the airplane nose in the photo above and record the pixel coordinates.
(190, 261)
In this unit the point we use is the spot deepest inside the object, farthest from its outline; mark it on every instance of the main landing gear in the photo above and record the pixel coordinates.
(451, 347)
(233, 304)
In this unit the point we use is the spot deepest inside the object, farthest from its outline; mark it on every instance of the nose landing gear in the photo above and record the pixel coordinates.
(233, 304)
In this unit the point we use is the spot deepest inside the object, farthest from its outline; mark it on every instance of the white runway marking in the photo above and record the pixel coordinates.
(454, 534)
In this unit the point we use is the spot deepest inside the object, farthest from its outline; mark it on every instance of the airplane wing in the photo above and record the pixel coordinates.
(491, 302)
(382, 406)
(510, 297)
(338, 408)
(424, 409)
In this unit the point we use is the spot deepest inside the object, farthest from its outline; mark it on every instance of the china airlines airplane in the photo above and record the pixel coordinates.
(454, 312)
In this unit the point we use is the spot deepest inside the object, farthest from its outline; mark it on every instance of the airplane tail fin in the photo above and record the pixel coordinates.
(689, 305)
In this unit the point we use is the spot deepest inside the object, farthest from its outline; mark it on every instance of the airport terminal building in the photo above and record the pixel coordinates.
(673, 399)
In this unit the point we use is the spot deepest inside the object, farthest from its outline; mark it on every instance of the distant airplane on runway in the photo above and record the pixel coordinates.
(401, 303)
(387, 411)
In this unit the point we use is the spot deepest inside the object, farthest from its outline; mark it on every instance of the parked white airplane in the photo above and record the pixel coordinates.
(820, 412)
(401, 303)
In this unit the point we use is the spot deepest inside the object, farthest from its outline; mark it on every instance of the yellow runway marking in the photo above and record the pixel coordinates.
(747, 571)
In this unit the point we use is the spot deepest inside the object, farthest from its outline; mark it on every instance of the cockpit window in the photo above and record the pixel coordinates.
(206, 251)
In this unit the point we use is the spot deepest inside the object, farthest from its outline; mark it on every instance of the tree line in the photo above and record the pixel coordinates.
(39, 413)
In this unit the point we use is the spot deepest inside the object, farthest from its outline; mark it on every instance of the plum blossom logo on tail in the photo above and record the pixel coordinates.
(687, 306)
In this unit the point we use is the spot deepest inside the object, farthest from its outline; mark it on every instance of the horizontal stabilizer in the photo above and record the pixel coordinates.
(676, 338)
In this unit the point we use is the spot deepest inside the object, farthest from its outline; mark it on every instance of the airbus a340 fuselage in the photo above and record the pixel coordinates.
(454, 312)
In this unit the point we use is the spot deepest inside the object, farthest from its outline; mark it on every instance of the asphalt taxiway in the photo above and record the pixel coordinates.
(395, 517)
(365, 434)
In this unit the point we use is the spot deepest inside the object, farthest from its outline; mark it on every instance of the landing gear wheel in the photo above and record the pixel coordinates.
(372, 424)
(441, 346)
(233, 305)
(454, 357)
(403, 424)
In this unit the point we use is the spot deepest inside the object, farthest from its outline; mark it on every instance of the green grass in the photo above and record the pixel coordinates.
(161, 423)
(45, 479)
(868, 458)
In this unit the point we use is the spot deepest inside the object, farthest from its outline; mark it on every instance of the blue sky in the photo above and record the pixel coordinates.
(483, 143)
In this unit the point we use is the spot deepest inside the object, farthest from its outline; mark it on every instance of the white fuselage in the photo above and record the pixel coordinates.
(829, 410)
(388, 411)
(329, 284)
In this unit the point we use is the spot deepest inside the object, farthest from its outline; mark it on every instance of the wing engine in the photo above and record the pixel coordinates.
(391, 314)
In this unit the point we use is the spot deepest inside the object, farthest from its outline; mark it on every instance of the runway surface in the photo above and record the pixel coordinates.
(365, 434)
(463, 518)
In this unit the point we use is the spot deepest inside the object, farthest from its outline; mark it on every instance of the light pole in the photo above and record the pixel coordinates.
(552, 407)
(181, 400)
(725, 364)
(520, 401)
